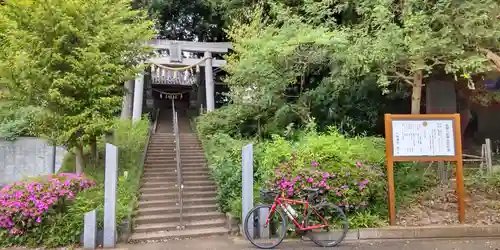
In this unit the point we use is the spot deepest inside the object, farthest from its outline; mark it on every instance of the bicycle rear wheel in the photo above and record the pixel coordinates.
(336, 230)
(261, 235)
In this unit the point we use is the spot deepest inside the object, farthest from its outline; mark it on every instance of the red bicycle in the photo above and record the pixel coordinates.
(317, 222)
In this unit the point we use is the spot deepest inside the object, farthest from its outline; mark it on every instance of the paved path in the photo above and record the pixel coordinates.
(225, 243)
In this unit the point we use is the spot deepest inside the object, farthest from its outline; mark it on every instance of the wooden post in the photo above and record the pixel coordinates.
(459, 170)
(489, 162)
(390, 170)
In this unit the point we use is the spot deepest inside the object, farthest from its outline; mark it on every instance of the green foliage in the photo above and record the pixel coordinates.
(334, 153)
(402, 39)
(365, 219)
(224, 155)
(190, 20)
(283, 74)
(488, 184)
(70, 59)
(17, 121)
(64, 229)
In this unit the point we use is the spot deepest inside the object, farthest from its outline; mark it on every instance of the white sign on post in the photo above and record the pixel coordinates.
(423, 138)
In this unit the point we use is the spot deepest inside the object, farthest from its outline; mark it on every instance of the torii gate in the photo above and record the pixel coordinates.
(175, 57)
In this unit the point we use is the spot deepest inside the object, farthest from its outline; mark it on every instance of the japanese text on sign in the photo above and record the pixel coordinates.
(423, 138)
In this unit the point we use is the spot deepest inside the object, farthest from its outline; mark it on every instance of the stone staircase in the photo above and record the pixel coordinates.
(158, 212)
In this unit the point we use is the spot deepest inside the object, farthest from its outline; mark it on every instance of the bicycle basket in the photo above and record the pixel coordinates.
(268, 195)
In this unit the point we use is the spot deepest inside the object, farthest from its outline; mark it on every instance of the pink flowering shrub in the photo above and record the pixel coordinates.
(25, 205)
(349, 185)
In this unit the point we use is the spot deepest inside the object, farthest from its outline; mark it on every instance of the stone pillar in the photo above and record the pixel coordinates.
(110, 183)
(209, 83)
(127, 100)
(138, 97)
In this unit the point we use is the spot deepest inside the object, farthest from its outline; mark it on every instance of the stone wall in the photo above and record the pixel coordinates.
(27, 157)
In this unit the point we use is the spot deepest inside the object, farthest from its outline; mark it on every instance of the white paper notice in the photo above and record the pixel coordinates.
(423, 138)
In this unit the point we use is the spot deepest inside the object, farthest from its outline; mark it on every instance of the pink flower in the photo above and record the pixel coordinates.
(22, 203)
(359, 164)
(310, 179)
(314, 164)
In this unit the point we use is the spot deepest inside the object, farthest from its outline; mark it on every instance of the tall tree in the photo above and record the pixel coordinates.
(190, 20)
(413, 39)
(70, 58)
(403, 40)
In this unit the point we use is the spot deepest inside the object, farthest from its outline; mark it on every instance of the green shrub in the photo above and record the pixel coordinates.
(64, 229)
(17, 121)
(334, 153)
(224, 157)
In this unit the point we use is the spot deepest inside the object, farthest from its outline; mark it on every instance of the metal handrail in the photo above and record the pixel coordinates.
(155, 120)
(180, 183)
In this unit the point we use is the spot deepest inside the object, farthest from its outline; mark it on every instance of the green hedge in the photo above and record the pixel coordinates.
(331, 150)
(64, 229)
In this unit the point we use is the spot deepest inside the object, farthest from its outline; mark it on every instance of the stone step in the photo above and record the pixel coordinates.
(173, 178)
(171, 157)
(171, 168)
(171, 142)
(173, 147)
(185, 174)
(159, 184)
(175, 195)
(173, 165)
(173, 188)
(182, 138)
(170, 162)
(172, 153)
(166, 167)
(179, 234)
(184, 162)
(200, 224)
(174, 217)
(186, 144)
(175, 209)
(170, 202)
(165, 136)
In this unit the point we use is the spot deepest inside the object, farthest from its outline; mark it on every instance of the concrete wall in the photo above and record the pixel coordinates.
(26, 157)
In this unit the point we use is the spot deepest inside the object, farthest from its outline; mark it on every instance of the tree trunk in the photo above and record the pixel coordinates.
(80, 162)
(93, 152)
(416, 95)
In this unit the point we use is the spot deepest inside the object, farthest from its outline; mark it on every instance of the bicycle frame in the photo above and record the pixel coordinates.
(282, 202)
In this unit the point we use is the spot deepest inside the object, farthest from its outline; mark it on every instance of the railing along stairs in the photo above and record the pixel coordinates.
(180, 182)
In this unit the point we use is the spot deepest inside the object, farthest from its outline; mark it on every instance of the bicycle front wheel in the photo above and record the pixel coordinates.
(260, 234)
(334, 230)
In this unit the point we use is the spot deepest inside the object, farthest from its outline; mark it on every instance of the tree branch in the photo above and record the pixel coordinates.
(492, 57)
(407, 79)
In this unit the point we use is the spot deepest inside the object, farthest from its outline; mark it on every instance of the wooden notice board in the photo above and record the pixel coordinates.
(426, 137)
